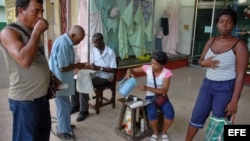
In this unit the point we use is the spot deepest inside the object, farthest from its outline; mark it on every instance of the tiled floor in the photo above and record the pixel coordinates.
(183, 92)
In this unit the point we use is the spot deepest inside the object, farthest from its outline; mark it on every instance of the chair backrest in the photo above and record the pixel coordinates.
(115, 73)
(115, 76)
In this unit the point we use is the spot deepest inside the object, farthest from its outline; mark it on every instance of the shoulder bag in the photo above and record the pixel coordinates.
(51, 92)
(159, 99)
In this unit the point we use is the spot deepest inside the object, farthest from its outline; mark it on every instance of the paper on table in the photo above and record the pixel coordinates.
(140, 103)
(93, 73)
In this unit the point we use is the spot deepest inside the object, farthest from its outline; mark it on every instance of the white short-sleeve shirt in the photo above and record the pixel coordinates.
(107, 59)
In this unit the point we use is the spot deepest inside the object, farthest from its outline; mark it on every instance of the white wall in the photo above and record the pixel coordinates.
(187, 2)
(2, 14)
(186, 16)
(185, 30)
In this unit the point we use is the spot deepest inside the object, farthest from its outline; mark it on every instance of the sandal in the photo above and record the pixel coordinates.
(153, 138)
(164, 137)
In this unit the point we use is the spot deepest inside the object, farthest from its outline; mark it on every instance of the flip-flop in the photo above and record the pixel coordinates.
(153, 138)
(164, 138)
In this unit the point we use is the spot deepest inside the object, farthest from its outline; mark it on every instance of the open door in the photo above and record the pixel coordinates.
(204, 27)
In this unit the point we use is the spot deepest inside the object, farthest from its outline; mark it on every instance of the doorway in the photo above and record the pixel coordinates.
(204, 27)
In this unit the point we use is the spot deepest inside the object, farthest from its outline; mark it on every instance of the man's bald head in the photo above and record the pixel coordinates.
(76, 33)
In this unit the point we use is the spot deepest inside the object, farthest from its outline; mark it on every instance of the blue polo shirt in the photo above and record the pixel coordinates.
(62, 55)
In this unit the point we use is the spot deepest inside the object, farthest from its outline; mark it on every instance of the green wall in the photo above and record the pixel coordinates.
(2, 25)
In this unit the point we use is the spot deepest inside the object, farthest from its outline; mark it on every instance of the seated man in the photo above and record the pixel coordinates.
(103, 59)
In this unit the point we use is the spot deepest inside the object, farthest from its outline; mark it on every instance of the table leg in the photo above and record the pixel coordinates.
(121, 118)
(145, 118)
(133, 126)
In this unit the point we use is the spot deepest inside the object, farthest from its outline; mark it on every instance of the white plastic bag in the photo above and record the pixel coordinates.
(84, 82)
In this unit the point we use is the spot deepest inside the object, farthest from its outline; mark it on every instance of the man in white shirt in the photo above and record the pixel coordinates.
(102, 59)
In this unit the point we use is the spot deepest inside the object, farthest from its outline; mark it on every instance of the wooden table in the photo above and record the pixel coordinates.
(135, 120)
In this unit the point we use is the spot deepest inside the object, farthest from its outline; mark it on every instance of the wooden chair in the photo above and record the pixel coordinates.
(100, 99)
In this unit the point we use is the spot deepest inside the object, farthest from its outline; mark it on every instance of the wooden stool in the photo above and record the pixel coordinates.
(160, 117)
(135, 121)
(100, 99)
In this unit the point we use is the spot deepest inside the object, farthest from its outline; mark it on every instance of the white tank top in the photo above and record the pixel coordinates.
(226, 67)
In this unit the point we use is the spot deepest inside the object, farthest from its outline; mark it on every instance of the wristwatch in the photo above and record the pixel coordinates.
(101, 68)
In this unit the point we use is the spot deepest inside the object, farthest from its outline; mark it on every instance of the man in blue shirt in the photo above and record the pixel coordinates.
(62, 64)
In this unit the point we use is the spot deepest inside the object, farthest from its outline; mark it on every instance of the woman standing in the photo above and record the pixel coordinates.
(226, 59)
(159, 76)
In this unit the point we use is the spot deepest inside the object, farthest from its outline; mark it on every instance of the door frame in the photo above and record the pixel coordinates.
(203, 5)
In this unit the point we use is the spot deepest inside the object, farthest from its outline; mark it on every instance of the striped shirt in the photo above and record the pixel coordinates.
(226, 66)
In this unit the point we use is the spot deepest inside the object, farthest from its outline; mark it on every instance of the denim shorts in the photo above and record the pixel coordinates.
(167, 109)
(213, 96)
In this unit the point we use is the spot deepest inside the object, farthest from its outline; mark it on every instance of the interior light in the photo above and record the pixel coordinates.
(242, 1)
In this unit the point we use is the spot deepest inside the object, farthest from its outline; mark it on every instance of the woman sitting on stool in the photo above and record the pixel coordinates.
(162, 77)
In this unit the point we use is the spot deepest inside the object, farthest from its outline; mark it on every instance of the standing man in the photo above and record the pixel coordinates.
(62, 64)
(103, 59)
(28, 72)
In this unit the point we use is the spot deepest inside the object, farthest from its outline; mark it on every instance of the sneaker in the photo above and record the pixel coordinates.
(74, 110)
(164, 137)
(65, 136)
(153, 137)
(82, 116)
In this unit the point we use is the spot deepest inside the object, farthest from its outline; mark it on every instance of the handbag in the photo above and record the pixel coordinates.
(51, 92)
(159, 99)
(215, 129)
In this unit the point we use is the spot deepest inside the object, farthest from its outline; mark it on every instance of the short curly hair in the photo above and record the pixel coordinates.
(98, 36)
(160, 57)
(229, 12)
